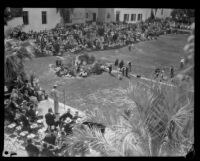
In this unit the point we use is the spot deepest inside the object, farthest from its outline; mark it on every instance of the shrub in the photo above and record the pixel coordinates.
(96, 68)
(91, 59)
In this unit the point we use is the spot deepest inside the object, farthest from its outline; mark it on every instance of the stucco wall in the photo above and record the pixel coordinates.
(35, 19)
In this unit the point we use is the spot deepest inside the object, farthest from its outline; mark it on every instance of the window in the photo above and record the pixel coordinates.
(117, 16)
(139, 17)
(44, 17)
(25, 17)
(94, 17)
(126, 17)
(133, 17)
(86, 15)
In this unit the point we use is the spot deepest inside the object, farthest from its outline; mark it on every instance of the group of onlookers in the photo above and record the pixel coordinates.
(21, 101)
(53, 142)
(84, 36)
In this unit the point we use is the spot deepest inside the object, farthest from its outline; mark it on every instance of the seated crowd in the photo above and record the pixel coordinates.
(83, 36)
(21, 104)
(21, 109)
(53, 142)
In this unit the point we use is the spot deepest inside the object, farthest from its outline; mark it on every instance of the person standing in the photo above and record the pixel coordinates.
(129, 66)
(50, 119)
(116, 62)
(54, 94)
(172, 72)
(182, 63)
(110, 68)
(121, 64)
(123, 71)
(126, 71)
(132, 46)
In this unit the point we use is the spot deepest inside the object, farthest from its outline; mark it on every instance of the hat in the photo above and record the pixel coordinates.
(68, 120)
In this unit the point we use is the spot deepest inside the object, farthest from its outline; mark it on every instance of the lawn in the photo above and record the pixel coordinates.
(104, 91)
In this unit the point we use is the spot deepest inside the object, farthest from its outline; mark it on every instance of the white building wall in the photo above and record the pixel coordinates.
(145, 13)
(35, 19)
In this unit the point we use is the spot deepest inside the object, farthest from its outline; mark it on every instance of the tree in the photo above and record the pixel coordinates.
(65, 13)
(10, 13)
(182, 15)
(7, 15)
(16, 12)
(15, 53)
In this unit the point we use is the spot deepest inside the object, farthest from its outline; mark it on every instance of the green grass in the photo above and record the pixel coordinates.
(104, 91)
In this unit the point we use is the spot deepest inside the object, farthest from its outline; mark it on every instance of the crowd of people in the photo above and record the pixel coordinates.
(21, 111)
(21, 99)
(76, 38)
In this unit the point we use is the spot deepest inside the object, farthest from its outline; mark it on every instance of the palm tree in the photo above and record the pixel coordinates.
(151, 130)
(65, 13)
(15, 53)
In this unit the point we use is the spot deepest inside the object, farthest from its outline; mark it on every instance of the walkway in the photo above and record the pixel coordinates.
(151, 80)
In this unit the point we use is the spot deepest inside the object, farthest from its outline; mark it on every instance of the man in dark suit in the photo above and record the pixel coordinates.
(50, 118)
(31, 113)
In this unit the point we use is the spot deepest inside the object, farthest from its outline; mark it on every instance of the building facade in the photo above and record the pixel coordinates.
(106, 15)
(38, 19)
(91, 14)
(131, 15)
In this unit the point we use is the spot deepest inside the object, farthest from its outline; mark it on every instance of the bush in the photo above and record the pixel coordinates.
(91, 59)
(72, 70)
(86, 58)
(96, 68)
